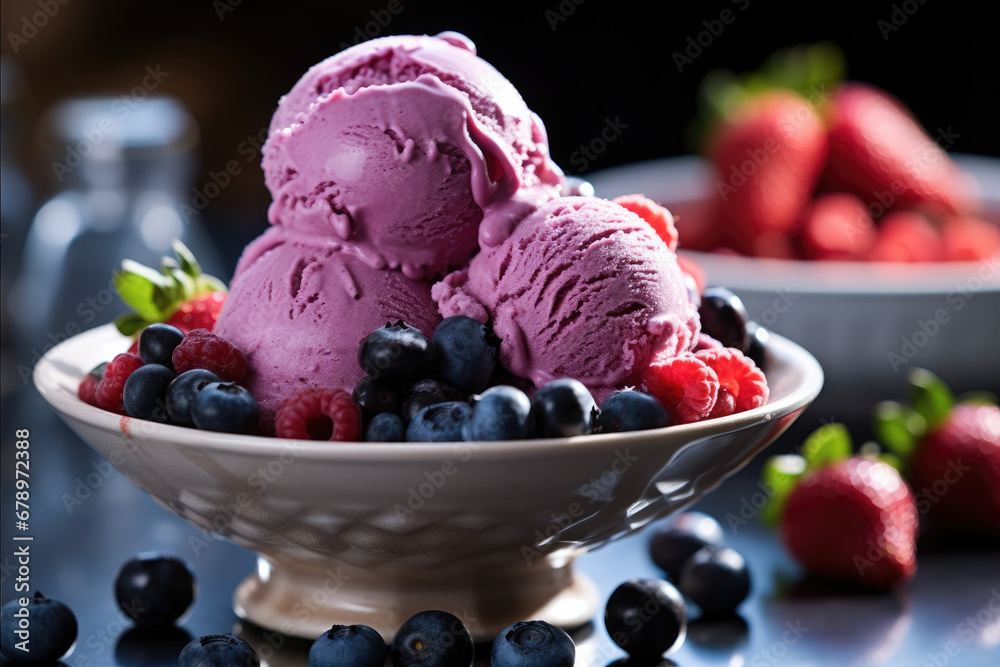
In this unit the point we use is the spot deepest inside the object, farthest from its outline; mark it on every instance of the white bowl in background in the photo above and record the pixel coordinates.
(867, 323)
(355, 532)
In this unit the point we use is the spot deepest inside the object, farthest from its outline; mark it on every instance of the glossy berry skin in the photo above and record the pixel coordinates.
(724, 317)
(432, 639)
(52, 629)
(646, 618)
(226, 407)
(955, 472)
(397, 353)
(348, 646)
(182, 391)
(157, 343)
(374, 397)
(218, 651)
(686, 533)
(630, 410)
(854, 520)
(563, 408)
(500, 413)
(717, 580)
(428, 392)
(533, 644)
(385, 427)
(756, 344)
(466, 353)
(154, 589)
(442, 422)
(145, 392)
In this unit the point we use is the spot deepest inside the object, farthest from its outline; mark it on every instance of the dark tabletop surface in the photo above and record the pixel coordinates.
(948, 615)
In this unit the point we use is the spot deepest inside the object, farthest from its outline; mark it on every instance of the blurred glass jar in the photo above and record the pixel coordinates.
(123, 168)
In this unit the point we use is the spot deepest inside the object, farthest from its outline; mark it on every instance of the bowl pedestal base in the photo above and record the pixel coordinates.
(304, 601)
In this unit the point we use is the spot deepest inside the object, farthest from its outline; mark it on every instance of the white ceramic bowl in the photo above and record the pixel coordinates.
(866, 322)
(373, 533)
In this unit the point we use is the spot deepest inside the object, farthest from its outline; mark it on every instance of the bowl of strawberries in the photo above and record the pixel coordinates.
(841, 222)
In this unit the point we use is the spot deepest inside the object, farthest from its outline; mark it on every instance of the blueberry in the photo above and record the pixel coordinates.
(348, 646)
(672, 545)
(218, 651)
(757, 338)
(385, 427)
(432, 639)
(441, 422)
(631, 410)
(157, 343)
(646, 618)
(225, 406)
(723, 317)
(397, 352)
(145, 392)
(500, 413)
(428, 392)
(51, 624)
(154, 589)
(563, 408)
(717, 580)
(466, 353)
(182, 391)
(376, 397)
(533, 644)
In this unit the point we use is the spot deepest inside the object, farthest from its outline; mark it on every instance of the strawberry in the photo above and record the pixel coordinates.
(851, 518)
(838, 227)
(906, 236)
(970, 239)
(879, 151)
(178, 294)
(953, 454)
(768, 154)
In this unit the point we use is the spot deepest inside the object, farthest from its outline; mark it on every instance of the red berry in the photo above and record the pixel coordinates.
(854, 520)
(970, 239)
(203, 349)
(685, 385)
(134, 347)
(659, 218)
(87, 391)
(725, 404)
(956, 471)
(906, 236)
(108, 393)
(837, 226)
(319, 414)
(739, 375)
(201, 312)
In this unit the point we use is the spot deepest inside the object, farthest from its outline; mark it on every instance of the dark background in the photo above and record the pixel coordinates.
(575, 64)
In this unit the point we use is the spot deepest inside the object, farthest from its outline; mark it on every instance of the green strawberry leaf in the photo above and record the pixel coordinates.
(185, 258)
(142, 288)
(130, 323)
(185, 285)
(827, 444)
(979, 398)
(206, 283)
(779, 477)
(931, 397)
(898, 427)
(891, 459)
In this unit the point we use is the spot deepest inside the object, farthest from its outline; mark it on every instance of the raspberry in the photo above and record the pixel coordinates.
(725, 404)
(905, 236)
(108, 393)
(739, 375)
(970, 239)
(201, 312)
(87, 391)
(695, 277)
(319, 414)
(706, 342)
(134, 347)
(685, 385)
(203, 349)
(659, 218)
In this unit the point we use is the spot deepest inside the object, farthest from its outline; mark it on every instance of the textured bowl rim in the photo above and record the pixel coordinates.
(57, 376)
(687, 178)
